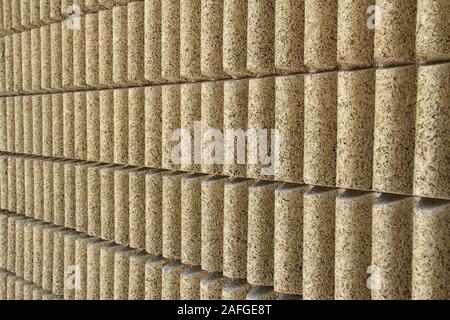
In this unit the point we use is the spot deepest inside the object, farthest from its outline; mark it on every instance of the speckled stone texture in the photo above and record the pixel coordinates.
(212, 285)
(355, 121)
(289, 35)
(355, 40)
(153, 278)
(190, 39)
(190, 283)
(136, 289)
(394, 40)
(288, 239)
(431, 170)
(236, 290)
(353, 245)
(392, 222)
(431, 28)
(260, 248)
(170, 283)
(152, 40)
(289, 121)
(320, 34)
(431, 257)
(262, 293)
(394, 124)
(170, 40)
(319, 243)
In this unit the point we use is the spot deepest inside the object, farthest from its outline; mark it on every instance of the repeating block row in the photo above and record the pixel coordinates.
(20, 15)
(366, 129)
(47, 262)
(190, 40)
(311, 241)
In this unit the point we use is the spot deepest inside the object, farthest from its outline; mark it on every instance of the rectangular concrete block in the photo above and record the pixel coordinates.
(106, 114)
(153, 126)
(137, 208)
(11, 285)
(46, 58)
(12, 185)
(81, 207)
(2, 66)
(58, 261)
(170, 40)
(355, 124)
(37, 253)
(211, 31)
(261, 121)
(122, 272)
(212, 207)
(136, 12)
(4, 182)
(29, 186)
(47, 190)
(18, 126)
(15, 15)
(48, 237)
(289, 123)
(20, 186)
(235, 226)
(355, 33)
(319, 206)
(37, 124)
(35, 59)
(47, 125)
(394, 134)
(120, 51)
(170, 123)
(17, 50)
(261, 37)
(236, 290)
(431, 28)
(260, 247)
(153, 211)
(55, 10)
(38, 177)
(7, 15)
(320, 34)
(170, 284)
(19, 250)
(107, 254)
(44, 11)
(136, 126)
(35, 13)
(121, 126)
(395, 36)
(57, 125)
(392, 224)
(92, 49)
(121, 206)
(136, 289)
(431, 171)
(93, 269)
(93, 200)
(70, 195)
(68, 125)
(171, 215)
(93, 126)
(26, 62)
(4, 240)
(3, 125)
(211, 125)
(58, 193)
(27, 102)
(235, 37)
(431, 258)
(235, 104)
(289, 35)
(190, 39)
(81, 244)
(69, 266)
(353, 245)
(191, 115)
(107, 201)
(9, 64)
(56, 55)
(28, 249)
(190, 283)
(191, 219)
(288, 239)
(80, 125)
(79, 54)
(153, 278)
(152, 40)
(105, 48)
(211, 286)
(25, 14)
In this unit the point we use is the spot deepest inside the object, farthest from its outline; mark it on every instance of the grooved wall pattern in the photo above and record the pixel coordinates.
(118, 179)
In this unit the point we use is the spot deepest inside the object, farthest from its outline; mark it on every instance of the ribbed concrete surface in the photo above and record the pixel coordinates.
(350, 200)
